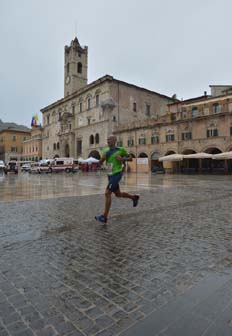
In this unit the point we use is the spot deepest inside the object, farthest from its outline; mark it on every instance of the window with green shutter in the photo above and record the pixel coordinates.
(186, 136)
(154, 139)
(142, 141)
(170, 137)
(130, 142)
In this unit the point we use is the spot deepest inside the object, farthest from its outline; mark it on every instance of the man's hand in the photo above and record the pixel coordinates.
(124, 158)
(102, 159)
(120, 158)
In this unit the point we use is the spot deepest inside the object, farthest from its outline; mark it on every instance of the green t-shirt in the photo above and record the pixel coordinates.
(113, 165)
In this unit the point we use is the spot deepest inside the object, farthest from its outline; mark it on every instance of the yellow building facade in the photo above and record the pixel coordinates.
(32, 146)
(11, 144)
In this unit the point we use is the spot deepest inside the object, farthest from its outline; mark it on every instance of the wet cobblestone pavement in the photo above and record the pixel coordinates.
(62, 273)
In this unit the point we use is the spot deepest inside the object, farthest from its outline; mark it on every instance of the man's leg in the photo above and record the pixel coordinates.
(134, 198)
(107, 202)
(118, 193)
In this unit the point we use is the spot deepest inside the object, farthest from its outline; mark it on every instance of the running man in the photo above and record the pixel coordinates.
(115, 158)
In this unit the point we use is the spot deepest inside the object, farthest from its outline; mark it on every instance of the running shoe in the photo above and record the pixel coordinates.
(135, 200)
(101, 218)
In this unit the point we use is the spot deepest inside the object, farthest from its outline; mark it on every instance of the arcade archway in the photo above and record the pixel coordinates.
(95, 154)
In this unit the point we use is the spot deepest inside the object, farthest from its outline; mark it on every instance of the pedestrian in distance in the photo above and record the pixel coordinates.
(115, 158)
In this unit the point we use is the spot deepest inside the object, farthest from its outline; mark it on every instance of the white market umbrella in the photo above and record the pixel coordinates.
(198, 156)
(172, 157)
(91, 160)
(223, 156)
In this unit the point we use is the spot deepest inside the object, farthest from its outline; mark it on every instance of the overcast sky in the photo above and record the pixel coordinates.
(168, 46)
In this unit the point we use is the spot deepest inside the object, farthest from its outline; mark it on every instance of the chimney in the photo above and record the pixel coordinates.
(205, 93)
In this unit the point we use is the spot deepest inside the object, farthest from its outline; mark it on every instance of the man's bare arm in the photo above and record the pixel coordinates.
(124, 158)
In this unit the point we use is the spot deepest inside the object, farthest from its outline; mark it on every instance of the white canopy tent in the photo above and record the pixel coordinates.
(172, 157)
(89, 160)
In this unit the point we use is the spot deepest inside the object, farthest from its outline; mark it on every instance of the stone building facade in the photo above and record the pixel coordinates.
(148, 124)
(202, 124)
(78, 124)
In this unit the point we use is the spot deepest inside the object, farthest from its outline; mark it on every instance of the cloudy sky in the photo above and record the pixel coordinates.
(168, 46)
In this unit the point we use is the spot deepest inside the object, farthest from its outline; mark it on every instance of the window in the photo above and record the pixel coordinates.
(54, 146)
(148, 110)
(130, 142)
(155, 139)
(206, 111)
(142, 141)
(88, 120)
(230, 107)
(186, 136)
(97, 138)
(14, 149)
(67, 67)
(97, 100)
(80, 107)
(79, 67)
(73, 109)
(170, 137)
(88, 104)
(114, 118)
(59, 116)
(217, 108)
(120, 143)
(48, 119)
(79, 147)
(134, 107)
(58, 145)
(13, 137)
(91, 139)
(194, 112)
(70, 127)
(213, 132)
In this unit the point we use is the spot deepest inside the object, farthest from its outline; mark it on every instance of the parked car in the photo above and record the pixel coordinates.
(11, 167)
(2, 166)
(26, 167)
(158, 170)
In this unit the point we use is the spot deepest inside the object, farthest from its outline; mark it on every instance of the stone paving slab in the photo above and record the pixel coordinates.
(61, 273)
(192, 313)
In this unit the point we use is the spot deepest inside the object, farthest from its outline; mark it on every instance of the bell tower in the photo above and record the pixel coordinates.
(75, 67)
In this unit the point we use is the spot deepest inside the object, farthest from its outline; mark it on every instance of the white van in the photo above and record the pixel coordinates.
(64, 164)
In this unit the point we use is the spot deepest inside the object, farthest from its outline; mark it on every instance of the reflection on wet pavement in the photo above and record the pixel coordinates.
(35, 186)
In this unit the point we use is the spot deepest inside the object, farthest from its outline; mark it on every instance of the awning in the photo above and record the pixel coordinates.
(223, 156)
(198, 156)
(172, 157)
